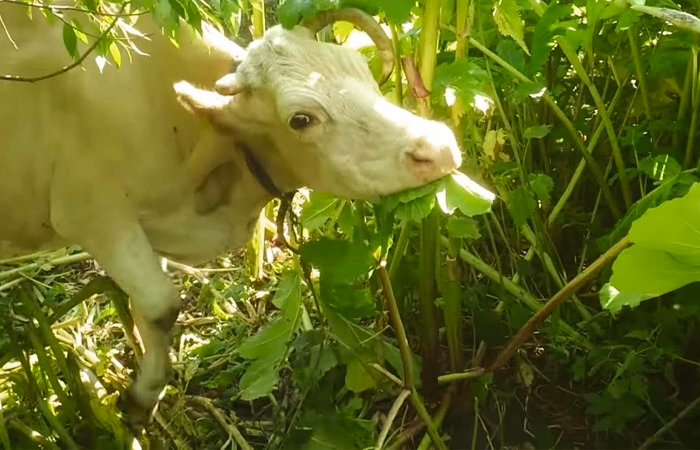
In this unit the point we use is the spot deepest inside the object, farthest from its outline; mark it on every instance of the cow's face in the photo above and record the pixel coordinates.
(319, 107)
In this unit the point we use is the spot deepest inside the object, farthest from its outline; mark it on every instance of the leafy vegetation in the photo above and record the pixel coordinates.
(562, 312)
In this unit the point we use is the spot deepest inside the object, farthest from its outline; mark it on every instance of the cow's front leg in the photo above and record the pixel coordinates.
(99, 217)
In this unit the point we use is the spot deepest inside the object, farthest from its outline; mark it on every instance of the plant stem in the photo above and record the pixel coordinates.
(694, 116)
(258, 28)
(429, 423)
(518, 292)
(558, 298)
(393, 412)
(396, 322)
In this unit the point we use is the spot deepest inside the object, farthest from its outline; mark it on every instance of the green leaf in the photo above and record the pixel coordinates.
(547, 28)
(115, 54)
(260, 378)
(416, 210)
(292, 12)
(463, 227)
(673, 226)
(541, 185)
(521, 205)
(461, 192)
(392, 201)
(613, 300)
(465, 77)
(537, 132)
(397, 12)
(508, 20)
(352, 301)
(660, 167)
(270, 340)
(318, 211)
(340, 260)
(652, 272)
(357, 379)
(70, 40)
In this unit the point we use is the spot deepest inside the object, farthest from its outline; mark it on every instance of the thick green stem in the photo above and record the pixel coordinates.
(401, 337)
(258, 18)
(429, 423)
(693, 118)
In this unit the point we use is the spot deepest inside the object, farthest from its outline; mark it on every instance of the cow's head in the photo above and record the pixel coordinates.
(315, 109)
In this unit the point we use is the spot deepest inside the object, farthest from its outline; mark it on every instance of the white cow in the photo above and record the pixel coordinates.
(135, 163)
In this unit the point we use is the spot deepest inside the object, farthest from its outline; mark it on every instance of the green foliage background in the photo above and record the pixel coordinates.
(581, 116)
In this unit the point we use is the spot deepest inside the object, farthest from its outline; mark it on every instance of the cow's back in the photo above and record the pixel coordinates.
(124, 124)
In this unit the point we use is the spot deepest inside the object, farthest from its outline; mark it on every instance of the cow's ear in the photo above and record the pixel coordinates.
(200, 101)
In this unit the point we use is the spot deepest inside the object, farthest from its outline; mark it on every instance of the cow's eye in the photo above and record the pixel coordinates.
(300, 121)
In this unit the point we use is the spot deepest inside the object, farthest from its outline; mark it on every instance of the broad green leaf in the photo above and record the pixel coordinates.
(652, 272)
(78, 32)
(466, 77)
(397, 12)
(613, 300)
(292, 12)
(392, 201)
(70, 40)
(673, 226)
(537, 132)
(318, 211)
(357, 379)
(260, 378)
(547, 28)
(270, 340)
(541, 185)
(463, 227)
(350, 300)
(508, 20)
(521, 205)
(416, 210)
(461, 192)
(340, 260)
(288, 295)
(660, 167)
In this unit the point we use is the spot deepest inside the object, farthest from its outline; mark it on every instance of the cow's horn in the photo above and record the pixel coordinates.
(364, 22)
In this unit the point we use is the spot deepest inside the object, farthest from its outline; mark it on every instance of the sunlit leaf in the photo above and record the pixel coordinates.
(652, 272)
(660, 167)
(115, 54)
(461, 192)
(537, 132)
(507, 17)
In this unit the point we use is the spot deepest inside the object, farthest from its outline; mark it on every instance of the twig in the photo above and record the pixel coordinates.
(387, 374)
(390, 418)
(71, 8)
(471, 373)
(7, 32)
(74, 64)
(571, 287)
(161, 421)
(670, 424)
(230, 428)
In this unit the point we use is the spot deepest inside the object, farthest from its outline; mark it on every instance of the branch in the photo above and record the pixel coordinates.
(74, 64)
(53, 8)
(565, 292)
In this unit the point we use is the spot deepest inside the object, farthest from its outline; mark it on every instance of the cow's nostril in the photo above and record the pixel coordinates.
(420, 159)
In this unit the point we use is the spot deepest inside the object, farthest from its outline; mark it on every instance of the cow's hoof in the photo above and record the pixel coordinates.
(137, 415)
